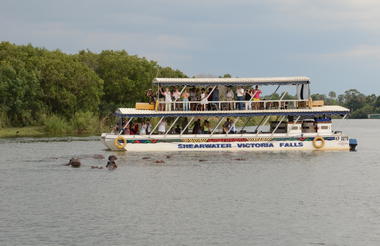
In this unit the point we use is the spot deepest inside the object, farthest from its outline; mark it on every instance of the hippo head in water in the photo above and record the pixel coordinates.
(74, 162)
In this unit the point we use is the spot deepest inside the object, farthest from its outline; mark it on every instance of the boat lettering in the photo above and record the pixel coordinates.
(255, 145)
(291, 144)
(203, 146)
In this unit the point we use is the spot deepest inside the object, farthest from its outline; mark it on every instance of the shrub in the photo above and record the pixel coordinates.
(85, 123)
(55, 125)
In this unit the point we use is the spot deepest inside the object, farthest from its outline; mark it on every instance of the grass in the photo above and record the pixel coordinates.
(29, 131)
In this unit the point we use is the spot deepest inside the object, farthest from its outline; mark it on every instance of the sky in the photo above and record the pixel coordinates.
(334, 42)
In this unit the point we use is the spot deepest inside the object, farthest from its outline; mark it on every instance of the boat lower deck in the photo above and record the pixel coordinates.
(224, 142)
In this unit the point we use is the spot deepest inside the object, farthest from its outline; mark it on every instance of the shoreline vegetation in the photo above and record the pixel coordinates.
(50, 93)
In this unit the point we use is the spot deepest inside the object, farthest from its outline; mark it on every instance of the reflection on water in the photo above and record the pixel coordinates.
(193, 198)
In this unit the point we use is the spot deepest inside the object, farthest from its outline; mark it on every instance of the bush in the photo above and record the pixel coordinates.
(85, 123)
(55, 125)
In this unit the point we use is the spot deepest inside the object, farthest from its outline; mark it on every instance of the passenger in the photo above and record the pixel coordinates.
(215, 98)
(233, 127)
(127, 130)
(248, 98)
(256, 96)
(150, 96)
(168, 99)
(240, 97)
(176, 97)
(161, 101)
(162, 127)
(197, 127)
(143, 128)
(148, 127)
(177, 130)
(230, 97)
(227, 126)
(206, 127)
(204, 100)
(136, 128)
(185, 97)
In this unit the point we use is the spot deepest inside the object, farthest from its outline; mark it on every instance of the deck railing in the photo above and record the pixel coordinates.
(232, 105)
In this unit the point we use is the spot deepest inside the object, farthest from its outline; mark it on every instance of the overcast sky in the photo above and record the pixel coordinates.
(334, 42)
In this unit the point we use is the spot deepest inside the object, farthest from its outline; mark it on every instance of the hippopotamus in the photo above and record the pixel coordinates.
(74, 162)
(111, 164)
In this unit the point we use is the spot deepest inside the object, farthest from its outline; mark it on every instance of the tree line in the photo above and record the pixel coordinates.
(36, 83)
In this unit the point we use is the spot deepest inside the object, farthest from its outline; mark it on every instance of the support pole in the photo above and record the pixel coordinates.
(188, 124)
(279, 123)
(155, 127)
(266, 120)
(129, 121)
(217, 125)
(297, 119)
(245, 124)
(171, 126)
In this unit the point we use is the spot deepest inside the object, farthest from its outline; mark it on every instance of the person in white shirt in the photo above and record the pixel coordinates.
(143, 128)
(168, 99)
(204, 100)
(162, 127)
(240, 93)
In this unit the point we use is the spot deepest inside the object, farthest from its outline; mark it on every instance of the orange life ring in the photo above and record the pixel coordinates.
(318, 142)
(117, 143)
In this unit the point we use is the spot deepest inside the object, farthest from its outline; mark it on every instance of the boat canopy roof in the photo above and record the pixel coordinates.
(232, 81)
(323, 110)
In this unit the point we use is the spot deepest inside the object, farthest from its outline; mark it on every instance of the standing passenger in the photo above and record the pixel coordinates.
(204, 100)
(256, 96)
(240, 97)
(176, 96)
(185, 97)
(230, 97)
(168, 99)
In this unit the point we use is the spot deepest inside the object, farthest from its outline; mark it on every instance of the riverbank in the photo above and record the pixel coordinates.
(28, 131)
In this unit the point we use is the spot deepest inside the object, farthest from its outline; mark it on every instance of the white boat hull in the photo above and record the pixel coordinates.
(160, 143)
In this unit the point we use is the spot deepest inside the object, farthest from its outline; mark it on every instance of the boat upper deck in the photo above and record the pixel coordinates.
(296, 80)
(322, 110)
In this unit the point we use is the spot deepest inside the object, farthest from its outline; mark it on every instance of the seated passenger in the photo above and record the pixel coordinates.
(177, 130)
(206, 127)
(162, 127)
(227, 126)
(197, 127)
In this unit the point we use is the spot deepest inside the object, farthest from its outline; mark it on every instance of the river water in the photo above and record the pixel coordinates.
(295, 198)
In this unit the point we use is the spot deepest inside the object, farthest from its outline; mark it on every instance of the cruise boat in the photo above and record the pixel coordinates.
(281, 124)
